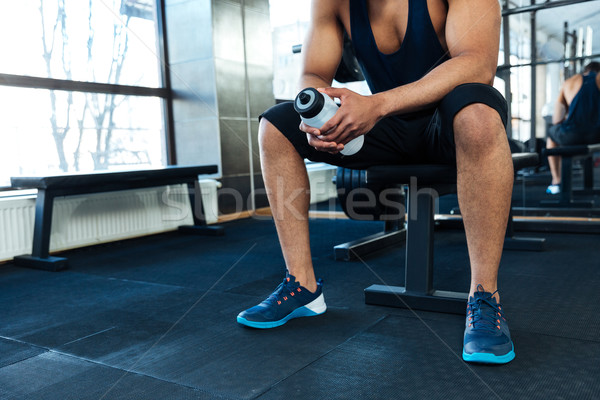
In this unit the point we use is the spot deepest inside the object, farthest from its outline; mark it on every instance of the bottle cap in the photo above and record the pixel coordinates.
(309, 103)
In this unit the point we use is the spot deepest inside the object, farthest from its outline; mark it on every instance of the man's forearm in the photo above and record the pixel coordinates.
(434, 86)
(312, 80)
(560, 111)
(559, 118)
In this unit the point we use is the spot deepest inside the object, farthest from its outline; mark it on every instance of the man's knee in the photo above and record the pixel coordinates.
(477, 126)
(550, 143)
(268, 135)
(265, 129)
(273, 142)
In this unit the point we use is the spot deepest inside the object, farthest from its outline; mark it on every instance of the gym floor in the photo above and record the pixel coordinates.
(154, 318)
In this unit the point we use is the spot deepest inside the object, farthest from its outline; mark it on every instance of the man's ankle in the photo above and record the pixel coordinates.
(305, 276)
(307, 283)
(488, 289)
(311, 286)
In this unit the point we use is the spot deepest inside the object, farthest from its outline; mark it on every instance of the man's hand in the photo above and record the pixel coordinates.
(316, 140)
(357, 115)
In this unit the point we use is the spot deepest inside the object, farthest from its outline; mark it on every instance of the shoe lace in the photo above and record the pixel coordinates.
(485, 318)
(283, 292)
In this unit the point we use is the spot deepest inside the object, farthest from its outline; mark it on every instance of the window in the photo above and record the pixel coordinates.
(80, 87)
(289, 24)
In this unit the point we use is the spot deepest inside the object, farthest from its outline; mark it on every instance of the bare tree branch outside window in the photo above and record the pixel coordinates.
(48, 42)
(96, 114)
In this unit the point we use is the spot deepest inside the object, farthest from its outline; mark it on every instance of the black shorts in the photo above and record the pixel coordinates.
(570, 137)
(421, 138)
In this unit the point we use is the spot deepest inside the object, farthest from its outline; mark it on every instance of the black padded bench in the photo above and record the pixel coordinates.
(568, 155)
(49, 187)
(427, 182)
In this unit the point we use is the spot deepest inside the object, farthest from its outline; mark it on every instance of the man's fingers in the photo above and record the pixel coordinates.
(339, 134)
(331, 124)
(321, 145)
(309, 129)
(333, 92)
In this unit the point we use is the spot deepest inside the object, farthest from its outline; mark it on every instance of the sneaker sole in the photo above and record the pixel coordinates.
(489, 358)
(314, 308)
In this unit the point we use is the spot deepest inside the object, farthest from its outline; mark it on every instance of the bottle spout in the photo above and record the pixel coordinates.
(304, 98)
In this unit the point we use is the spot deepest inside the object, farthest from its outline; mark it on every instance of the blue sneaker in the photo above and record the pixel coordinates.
(553, 189)
(289, 300)
(487, 338)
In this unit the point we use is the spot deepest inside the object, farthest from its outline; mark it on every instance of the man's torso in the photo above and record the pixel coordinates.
(389, 21)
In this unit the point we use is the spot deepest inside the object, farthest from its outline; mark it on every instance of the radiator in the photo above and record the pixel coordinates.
(91, 219)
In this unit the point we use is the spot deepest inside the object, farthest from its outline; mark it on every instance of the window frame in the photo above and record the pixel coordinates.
(164, 91)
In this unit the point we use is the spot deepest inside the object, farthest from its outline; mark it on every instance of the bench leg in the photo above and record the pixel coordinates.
(566, 188)
(40, 258)
(588, 172)
(588, 179)
(512, 242)
(393, 235)
(418, 292)
(200, 227)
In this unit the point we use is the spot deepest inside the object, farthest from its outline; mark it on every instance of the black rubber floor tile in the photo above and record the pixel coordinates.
(132, 335)
(554, 306)
(65, 297)
(404, 358)
(115, 334)
(240, 362)
(52, 376)
(171, 306)
(565, 255)
(12, 352)
(190, 262)
(143, 304)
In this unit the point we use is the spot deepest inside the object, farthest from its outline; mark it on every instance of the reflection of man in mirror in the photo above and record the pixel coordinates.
(576, 117)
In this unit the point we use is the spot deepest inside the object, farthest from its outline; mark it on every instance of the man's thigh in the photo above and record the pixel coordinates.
(564, 136)
(441, 147)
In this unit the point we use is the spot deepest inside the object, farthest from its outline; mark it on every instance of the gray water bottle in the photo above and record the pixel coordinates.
(316, 108)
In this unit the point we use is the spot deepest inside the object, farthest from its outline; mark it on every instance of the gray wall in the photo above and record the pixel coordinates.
(213, 44)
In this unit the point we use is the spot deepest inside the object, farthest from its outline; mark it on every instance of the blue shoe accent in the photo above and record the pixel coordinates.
(487, 337)
(553, 189)
(489, 358)
(288, 301)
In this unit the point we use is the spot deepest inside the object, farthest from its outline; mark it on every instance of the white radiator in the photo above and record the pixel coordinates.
(16, 226)
(91, 219)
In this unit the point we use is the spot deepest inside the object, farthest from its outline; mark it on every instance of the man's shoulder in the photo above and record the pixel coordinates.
(574, 82)
(331, 7)
(571, 87)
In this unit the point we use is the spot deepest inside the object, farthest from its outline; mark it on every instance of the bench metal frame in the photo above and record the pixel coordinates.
(418, 291)
(569, 154)
(51, 187)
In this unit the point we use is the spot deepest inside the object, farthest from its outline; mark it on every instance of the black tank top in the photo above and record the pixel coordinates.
(419, 53)
(584, 111)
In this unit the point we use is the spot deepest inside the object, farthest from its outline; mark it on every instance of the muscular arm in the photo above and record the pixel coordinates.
(472, 35)
(560, 108)
(322, 48)
(568, 91)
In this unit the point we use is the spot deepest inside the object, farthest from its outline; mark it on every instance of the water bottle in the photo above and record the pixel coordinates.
(316, 108)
